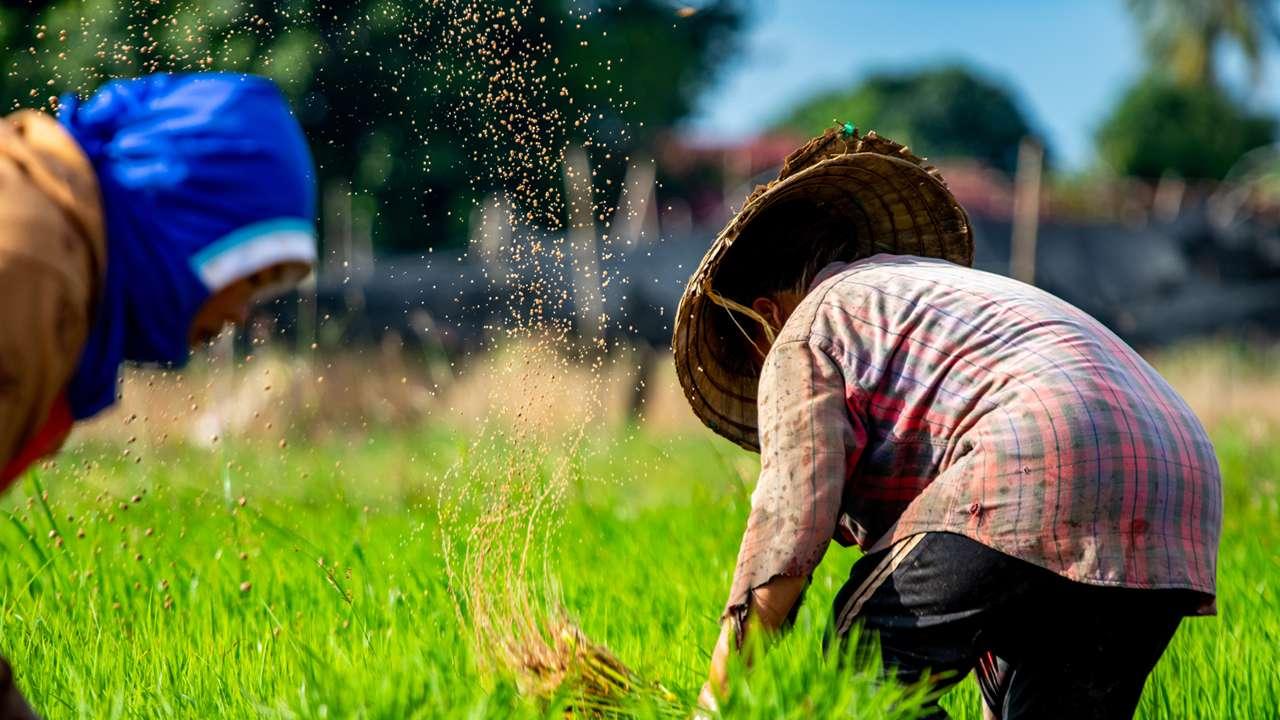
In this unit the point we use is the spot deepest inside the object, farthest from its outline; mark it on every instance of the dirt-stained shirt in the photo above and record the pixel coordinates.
(907, 395)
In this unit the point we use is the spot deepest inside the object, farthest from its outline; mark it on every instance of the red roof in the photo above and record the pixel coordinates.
(746, 157)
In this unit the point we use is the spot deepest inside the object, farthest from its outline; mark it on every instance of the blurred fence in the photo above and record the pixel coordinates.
(1156, 263)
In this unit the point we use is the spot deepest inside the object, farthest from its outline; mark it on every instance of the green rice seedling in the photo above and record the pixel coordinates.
(351, 612)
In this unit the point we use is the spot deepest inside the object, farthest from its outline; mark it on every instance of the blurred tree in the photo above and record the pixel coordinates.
(1182, 37)
(941, 112)
(417, 110)
(1161, 126)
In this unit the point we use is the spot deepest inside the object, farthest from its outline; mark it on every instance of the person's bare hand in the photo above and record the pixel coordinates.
(708, 704)
(718, 675)
(770, 604)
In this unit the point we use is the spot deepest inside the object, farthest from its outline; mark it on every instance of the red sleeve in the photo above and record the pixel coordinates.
(45, 441)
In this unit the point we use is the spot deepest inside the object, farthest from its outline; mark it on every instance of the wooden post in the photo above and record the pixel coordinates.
(337, 225)
(491, 236)
(640, 218)
(1026, 211)
(308, 327)
(584, 258)
(1167, 203)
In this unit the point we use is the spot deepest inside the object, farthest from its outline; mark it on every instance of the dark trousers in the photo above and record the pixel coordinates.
(1042, 646)
(12, 706)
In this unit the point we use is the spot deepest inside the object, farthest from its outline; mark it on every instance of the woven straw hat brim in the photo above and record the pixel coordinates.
(892, 204)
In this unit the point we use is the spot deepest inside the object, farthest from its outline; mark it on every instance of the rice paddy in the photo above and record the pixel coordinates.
(329, 579)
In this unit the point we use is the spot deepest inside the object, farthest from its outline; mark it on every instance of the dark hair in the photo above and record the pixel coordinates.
(780, 250)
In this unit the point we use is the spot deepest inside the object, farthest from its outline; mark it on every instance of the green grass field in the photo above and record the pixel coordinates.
(311, 582)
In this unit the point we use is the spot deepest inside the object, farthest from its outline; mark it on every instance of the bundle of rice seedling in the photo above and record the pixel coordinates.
(509, 601)
(502, 540)
(570, 667)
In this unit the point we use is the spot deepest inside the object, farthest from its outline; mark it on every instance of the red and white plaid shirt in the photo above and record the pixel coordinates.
(907, 395)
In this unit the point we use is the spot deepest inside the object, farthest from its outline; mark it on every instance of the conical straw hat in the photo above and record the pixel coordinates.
(890, 201)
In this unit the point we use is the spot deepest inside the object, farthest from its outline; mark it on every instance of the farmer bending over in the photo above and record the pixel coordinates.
(133, 227)
(1034, 502)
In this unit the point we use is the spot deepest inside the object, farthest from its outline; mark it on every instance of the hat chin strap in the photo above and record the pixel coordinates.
(732, 306)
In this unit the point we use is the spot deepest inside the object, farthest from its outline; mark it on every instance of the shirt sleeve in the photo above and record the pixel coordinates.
(36, 359)
(51, 259)
(809, 444)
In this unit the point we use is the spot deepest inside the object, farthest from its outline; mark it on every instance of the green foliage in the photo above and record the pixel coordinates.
(1182, 37)
(1162, 127)
(417, 109)
(347, 612)
(940, 112)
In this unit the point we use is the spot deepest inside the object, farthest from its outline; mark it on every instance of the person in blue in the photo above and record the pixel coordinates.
(134, 226)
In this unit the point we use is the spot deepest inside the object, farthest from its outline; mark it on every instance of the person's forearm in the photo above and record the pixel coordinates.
(772, 602)
(770, 606)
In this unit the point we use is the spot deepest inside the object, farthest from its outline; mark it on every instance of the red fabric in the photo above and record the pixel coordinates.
(907, 395)
(45, 441)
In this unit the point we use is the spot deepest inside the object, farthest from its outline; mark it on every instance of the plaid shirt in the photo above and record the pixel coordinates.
(907, 395)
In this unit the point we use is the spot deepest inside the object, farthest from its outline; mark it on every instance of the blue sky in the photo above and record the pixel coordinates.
(1068, 60)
